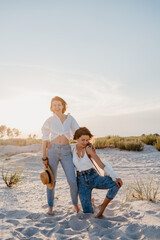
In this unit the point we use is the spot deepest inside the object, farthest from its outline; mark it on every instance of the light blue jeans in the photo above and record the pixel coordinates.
(89, 180)
(62, 153)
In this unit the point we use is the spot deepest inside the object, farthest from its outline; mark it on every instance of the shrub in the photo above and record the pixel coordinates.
(157, 144)
(149, 139)
(130, 143)
(12, 177)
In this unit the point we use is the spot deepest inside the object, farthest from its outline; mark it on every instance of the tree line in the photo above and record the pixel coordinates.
(13, 132)
(6, 131)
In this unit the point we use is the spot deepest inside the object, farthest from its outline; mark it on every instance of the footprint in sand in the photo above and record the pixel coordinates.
(17, 214)
(133, 231)
(82, 215)
(114, 204)
(118, 219)
(14, 222)
(110, 233)
(2, 216)
(77, 224)
(135, 214)
(48, 232)
(64, 224)
(104, 223)
(151, 212)
(124, 238)
(29, 232)
(152, 232)
(48, 220)
(34, 216)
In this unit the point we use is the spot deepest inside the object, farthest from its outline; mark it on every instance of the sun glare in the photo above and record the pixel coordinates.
(24, 113)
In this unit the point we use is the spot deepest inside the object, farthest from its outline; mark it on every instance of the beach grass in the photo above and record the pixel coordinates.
(132, 143)
(123, 143)
(143, 190)
(20, 141)
(13, 175)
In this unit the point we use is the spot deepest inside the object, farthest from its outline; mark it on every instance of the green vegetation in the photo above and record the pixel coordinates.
(148, 190)
(152, 139)
(123, 143)
(157, 144)
(12, 177)
(128, 143)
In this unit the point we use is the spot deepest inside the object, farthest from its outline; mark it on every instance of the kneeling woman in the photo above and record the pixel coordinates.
(87, 176)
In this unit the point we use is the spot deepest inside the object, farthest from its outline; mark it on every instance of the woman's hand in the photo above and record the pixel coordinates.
(119, 182)
(45, 163)
(92, 147)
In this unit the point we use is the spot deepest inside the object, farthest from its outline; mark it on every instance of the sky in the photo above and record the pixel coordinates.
(101, 56)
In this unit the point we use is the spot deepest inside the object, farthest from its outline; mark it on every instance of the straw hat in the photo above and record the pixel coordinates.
(47, 177)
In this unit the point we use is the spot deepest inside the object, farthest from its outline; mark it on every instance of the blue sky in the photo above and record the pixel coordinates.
(102, 57)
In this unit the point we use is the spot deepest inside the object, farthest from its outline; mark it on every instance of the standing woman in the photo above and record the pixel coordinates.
(87, 176)
(57, 131)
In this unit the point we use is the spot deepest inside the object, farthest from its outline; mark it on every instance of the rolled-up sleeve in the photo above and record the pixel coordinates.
(46, 130)
(74, 125)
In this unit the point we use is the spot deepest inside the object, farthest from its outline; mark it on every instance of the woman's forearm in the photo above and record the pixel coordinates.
(98, 161)
(44, 149)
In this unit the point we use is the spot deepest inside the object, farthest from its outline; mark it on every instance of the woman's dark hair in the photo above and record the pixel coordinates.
(56, 98)
(82, 131)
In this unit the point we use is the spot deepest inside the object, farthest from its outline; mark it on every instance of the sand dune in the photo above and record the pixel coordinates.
(23, 208)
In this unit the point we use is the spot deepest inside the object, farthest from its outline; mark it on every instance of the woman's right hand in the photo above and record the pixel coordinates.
(45, 163)
(119, 182)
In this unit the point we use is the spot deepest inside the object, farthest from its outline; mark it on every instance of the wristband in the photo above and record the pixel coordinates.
(44, 159)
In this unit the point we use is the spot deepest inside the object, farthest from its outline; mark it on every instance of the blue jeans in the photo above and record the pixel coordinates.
(63, 154)
(90, 179)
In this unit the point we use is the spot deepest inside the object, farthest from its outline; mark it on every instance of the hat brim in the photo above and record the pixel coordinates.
(50, 185)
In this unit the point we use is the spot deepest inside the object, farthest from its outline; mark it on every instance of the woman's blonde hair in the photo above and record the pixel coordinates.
(64, 104)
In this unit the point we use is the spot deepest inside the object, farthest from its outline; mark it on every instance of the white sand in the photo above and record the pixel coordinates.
(23, 208)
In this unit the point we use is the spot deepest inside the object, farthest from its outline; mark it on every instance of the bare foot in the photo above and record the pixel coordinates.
(95, 206)
(102, 207)
(100, 213)
(76, 208)
(50, 211)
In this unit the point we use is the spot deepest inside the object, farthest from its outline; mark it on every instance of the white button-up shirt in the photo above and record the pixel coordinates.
(53, 127)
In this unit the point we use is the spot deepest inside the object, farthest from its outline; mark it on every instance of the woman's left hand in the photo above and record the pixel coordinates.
(92, 147)
(119, 182)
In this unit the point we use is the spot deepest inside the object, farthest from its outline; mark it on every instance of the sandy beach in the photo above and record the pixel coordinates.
(23, 208)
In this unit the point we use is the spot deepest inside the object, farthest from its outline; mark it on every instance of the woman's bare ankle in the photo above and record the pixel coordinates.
(101, 211)
(50, 211)
(76, 208)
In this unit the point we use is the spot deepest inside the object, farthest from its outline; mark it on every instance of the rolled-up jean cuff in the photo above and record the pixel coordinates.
(109, 197)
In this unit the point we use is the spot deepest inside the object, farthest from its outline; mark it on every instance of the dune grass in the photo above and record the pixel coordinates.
(20, 141)
(157, 144)
(151, 139)
(123, 143)
(132, 143)
(143, 190)
(13, 175)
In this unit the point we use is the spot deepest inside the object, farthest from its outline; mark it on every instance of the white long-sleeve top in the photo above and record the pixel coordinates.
(53, 127)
